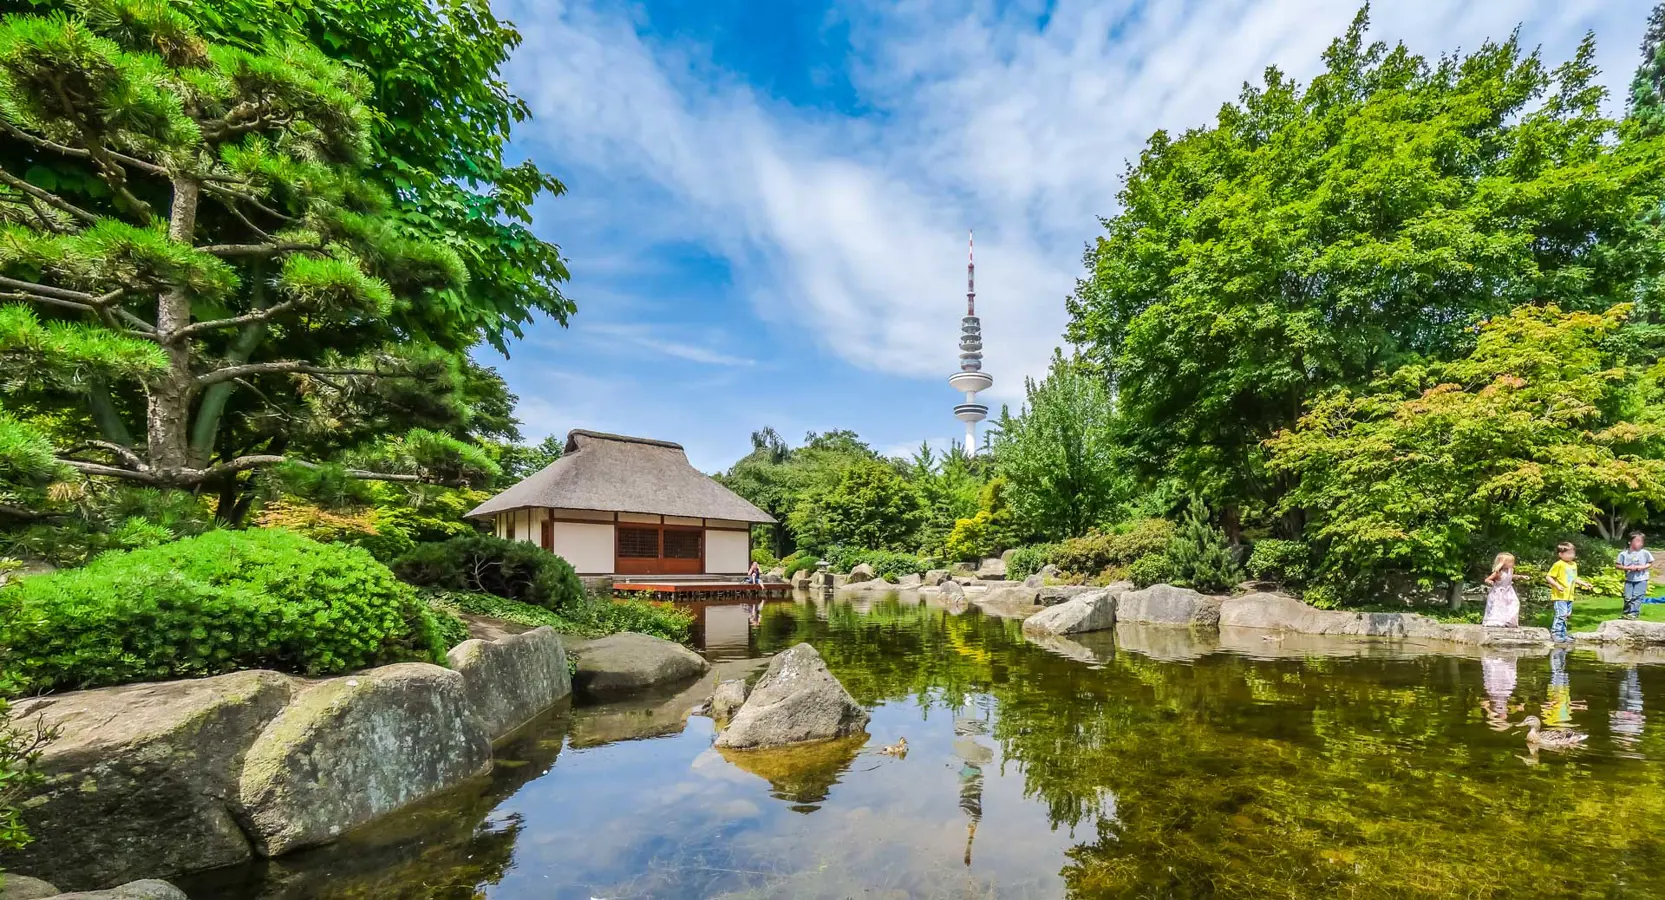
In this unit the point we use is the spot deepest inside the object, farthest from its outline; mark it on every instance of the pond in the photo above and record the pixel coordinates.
(1139, 763)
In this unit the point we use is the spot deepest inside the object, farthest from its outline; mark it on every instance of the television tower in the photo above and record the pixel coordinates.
(971, 378)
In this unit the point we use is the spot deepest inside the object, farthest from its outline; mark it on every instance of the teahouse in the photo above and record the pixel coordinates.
(615, 505)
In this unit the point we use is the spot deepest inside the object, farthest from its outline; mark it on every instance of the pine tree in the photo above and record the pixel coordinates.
(1647, 89)
(189, 217)
(1199, 555)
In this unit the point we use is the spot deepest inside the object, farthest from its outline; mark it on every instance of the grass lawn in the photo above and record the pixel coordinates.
(1590, 610)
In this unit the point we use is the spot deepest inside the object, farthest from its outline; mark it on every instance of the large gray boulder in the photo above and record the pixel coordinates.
(1162, 604)
(1052, 595)
(1013, 594)
(796, 701)
(935, 577)
(1091, 611)
(992, 570)
(909, 581)
(22, 887)
(727, 699)
(800, 580)
(862, 572)
(358, 747)
(510, 680)
(962, 570)
(951, 588)
(1034, 581)
(148, 889)
(142, 779)
(625, 662)
(1050, 572)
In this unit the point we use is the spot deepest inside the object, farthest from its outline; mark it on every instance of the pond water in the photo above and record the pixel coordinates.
(1139, 763)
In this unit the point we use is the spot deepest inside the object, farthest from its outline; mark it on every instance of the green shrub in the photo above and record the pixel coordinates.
(224, 601)
(1286, 562)
(763, 558)
(592, 618)
(1199, 555)
(972, 539)
(451, 627)
(1152, 568)
(799, 562)
(516, 570)
(887, 564)
(20, 749)
(1026, 561)
(1097, 551)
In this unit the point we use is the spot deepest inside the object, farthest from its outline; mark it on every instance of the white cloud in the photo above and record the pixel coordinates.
(855, 227)
(648, 339)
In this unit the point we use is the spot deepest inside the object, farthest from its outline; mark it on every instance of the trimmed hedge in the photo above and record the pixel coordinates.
(220, 602)
(483, 563)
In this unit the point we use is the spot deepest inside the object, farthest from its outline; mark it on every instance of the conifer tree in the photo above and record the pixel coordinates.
(189, 216)
(1647, 89)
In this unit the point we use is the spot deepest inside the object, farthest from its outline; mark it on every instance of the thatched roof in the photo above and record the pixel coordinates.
(614, 473)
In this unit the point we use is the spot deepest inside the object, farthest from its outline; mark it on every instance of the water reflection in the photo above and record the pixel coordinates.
(1144, 763)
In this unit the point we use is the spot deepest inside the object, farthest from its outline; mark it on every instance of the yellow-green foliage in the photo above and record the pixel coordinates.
(224, 601)
(1096, 551)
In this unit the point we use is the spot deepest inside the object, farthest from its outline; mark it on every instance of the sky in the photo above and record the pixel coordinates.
(768, 201)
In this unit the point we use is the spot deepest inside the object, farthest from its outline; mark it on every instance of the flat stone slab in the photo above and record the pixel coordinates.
(1630, 632)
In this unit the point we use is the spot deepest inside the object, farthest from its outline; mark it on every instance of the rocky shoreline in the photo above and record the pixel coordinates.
(162, 779)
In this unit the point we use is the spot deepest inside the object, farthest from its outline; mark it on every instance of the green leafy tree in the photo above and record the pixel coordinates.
(871, 507)
(949, 486)
(1312, 237)
(1521, 443)
(1059, 454)
(780, 480)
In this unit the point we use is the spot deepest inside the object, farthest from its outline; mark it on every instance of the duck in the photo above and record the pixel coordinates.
(898, 749)
(1555, 739)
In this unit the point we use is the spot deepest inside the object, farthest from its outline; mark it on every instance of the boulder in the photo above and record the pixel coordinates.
(1015, 594)
(1091, 611)
(142, 779)
(966, 569)
(776, 575)
(1050, 572)
(22, 887)
(358, 747)
(837, 581)
(951, 588)
(1162, 604)
(992, 570)
(1034, 581)
(1053, 595)
(1629, 632)
(800, 579)
(625, 662)
(149, 889)
(1269, 611)
(909, 581)
(819, 579)
(512, 679)
(935, 577)
(862, 572)
(796, 701)
(727, 699)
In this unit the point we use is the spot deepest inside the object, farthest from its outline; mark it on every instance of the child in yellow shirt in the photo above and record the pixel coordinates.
(1563, 580)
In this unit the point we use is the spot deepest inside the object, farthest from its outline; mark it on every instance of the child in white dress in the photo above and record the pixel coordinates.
(1502, 606)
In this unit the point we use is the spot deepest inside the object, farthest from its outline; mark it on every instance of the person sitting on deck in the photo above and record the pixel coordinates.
(754, 574)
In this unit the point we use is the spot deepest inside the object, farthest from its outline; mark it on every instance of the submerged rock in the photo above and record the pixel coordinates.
(510, 680)
(625, 662)
(1091, 611)
(648, 714)
(1162, 604)
(142, 778)
(355, 748)
(149, 889)
(22, 887)
(727, 699)
(796, 701)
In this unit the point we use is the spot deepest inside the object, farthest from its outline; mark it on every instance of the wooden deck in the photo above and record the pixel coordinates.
(673, 588)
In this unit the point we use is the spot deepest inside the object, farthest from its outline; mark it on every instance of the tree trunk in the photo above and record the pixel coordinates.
(1454, 595)
(168, 417)
(211, 408)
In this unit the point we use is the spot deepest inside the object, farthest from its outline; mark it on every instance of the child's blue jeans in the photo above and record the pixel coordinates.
(1563, 612)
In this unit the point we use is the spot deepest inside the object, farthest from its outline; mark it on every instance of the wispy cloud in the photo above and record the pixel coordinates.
(648, 339)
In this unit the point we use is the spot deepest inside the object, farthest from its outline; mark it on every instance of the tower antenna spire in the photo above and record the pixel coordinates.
(971, 378)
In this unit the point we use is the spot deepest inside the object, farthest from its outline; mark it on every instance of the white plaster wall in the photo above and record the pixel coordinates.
(588, 547)
(727, 552)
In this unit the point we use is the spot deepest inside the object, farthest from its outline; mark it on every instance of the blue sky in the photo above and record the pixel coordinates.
(768, 200)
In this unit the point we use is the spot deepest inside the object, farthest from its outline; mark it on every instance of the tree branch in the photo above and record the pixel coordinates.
(263, 460)
(133, 460)
(91, 468)
(280, 367)
(271, 249)
(47, 197)
(262, 315)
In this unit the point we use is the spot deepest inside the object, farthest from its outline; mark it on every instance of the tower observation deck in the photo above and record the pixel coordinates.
(971, 377)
